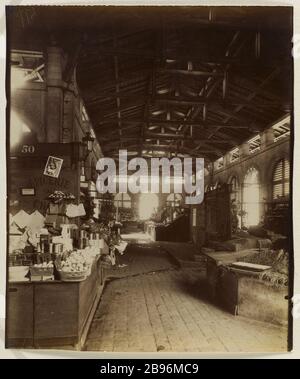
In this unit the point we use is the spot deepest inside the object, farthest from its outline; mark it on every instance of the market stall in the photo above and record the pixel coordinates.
(56, 273)
(176, 230)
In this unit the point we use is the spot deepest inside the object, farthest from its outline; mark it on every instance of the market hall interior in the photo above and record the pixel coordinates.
(153, 271)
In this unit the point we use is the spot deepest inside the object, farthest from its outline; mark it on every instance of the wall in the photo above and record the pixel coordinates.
(28, 105)
(264, 161)
(162, 197)
(52, 110)
(27, 172)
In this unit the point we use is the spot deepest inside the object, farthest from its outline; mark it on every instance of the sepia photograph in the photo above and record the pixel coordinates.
(149, 178)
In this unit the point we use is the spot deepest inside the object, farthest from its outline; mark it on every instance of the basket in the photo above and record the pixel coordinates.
(106, 265)
(72, 276)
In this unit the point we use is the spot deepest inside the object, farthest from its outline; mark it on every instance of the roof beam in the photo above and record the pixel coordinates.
(231, 51)
(190, 72)
(199, 56)
(166, 136)
(121, 109)
(184, 100)
(134, 77)
(182, 137)
(269, 78)
(166, 148)
(154, 121)
(118, 102)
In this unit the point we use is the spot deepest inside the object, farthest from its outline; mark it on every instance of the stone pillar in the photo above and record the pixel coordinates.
(54, 108)
(267, 137)
(244, 150)
(227, 159)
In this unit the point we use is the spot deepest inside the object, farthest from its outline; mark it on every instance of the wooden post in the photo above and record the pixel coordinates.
(54, 108)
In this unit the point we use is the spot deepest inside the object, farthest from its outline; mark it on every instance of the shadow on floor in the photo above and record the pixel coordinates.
(194, 284)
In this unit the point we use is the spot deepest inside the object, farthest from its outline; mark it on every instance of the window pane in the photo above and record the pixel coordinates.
(126, 197)
(277, 190)
(127, 204)
(287, 169)
(286, 188)
(281, 176)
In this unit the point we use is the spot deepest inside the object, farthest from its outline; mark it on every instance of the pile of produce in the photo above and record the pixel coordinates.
(74, 266)
(74, 262)
(105, 231)
(277, 259)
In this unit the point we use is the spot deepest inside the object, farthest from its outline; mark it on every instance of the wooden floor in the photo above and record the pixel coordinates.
(151, 305)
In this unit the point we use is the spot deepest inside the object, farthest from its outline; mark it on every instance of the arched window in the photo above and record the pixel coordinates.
(281, 179)
(174, 200)
(251, 194)
(235, 204)
(148, 204)
(122, 200)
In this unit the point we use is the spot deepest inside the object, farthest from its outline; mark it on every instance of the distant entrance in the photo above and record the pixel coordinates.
(148, 204)
(251, 198)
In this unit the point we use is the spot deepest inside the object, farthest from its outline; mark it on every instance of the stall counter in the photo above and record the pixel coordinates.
(51, 314)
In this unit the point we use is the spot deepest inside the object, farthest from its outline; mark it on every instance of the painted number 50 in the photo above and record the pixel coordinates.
(28, 149)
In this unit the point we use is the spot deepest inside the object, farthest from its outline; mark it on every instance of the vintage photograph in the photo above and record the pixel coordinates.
(149, 178)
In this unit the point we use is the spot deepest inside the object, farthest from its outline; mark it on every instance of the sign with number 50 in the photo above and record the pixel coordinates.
(28, 149)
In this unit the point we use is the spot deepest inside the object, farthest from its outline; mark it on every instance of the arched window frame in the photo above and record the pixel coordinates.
(245, 204)
(122, 200)
(234, 188)
(174, 200)
(281, 185)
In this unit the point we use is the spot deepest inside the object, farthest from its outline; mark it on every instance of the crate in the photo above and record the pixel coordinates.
(41, 271)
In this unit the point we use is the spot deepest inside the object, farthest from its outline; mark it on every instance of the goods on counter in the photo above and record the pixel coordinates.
(76, 266)
(277, 259)
(121, 246)
(126, 215)
(42, 269)
(73, 248)
(91, 252)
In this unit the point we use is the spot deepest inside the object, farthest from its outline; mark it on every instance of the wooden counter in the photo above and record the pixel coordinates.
(176, 231)
(54, 313)
(215, 261)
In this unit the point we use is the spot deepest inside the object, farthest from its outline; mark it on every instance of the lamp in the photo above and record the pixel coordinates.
(88, 141)
(81, 150)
